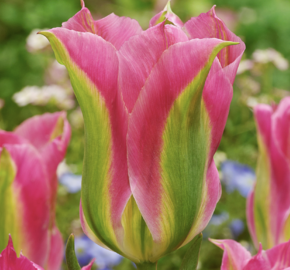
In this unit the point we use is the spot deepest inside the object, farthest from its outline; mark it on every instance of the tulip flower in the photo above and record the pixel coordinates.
(155, 104)
(28, 184)
(9, 260)
(236, 257)
(268, 206)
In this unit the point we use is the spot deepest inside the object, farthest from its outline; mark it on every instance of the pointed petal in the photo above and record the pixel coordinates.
(139, 55)
(30, 186)
(208, 25)
(169, 118)
(281, 127)
(210, 196)
(9, 260)
(137, 58)
(89, 266)
(92, 64)
(280, 168)
(258, 262)
(112, 28)
(117, 30)
(264, 219)
(55, 256)
(250, 218)
(218, 91)
(49, 134)
(166, 14)
(235, 255)
(279, 256)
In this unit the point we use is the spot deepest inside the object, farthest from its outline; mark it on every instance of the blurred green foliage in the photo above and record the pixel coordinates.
(260, 23)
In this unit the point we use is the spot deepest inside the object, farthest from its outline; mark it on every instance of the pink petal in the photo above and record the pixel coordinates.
(89, 266)
(281, 127)
(258, 262)
(31, 185)
(269, 129)
(174, 35)
(217, 96)
(9, 260)
(279, 256)
(138, 56)
(235, 255)
(93, 66)
(50, 135)
(56, 247)
(168, 14)
(40, 132)
(250, 218)
(173, 72)
(263, 114)
(208, 25)
(10, 138)
(112, 28)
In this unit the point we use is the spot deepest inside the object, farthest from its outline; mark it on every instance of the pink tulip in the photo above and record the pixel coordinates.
(268, 207)
(9, 260)
(236, 257)
(28, 184)
(155, 104)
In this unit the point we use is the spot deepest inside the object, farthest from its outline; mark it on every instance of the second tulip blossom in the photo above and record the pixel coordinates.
(155, 104)
(29, 157)
(268, 209)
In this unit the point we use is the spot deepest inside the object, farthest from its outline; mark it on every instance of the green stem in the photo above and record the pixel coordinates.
(147, 266)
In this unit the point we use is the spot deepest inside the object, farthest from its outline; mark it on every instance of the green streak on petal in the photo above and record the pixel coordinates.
(9, 221)
(261, 197)
(184, 159)
(98, 144)
(286, 235)
(58, 129)
(138, 241)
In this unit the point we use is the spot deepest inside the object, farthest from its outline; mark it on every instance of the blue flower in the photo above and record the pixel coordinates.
(237, 176)
(237, 227)
(217, 220)
(86, 250)
(71, 182)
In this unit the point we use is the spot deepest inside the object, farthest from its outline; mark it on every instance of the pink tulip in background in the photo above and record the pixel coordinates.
(155, 104)
(9, 260)
(268, 207)
(236, 257)
(28, 184)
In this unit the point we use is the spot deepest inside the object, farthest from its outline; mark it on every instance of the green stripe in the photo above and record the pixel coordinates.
(261, 198)
(186, 139)
(138, 241)
(9, 223)
(98, 149)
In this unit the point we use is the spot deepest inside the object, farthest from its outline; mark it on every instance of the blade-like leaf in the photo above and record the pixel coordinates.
(71, 259)
(190, 259)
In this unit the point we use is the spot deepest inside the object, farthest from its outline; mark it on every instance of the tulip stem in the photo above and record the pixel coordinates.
(147, 266)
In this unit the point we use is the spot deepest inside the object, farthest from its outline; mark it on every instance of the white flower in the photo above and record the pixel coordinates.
(36, 42)
(271, 55)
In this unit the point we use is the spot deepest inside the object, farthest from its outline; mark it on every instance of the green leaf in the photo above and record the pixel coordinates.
(71, 259)
(190, 259)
